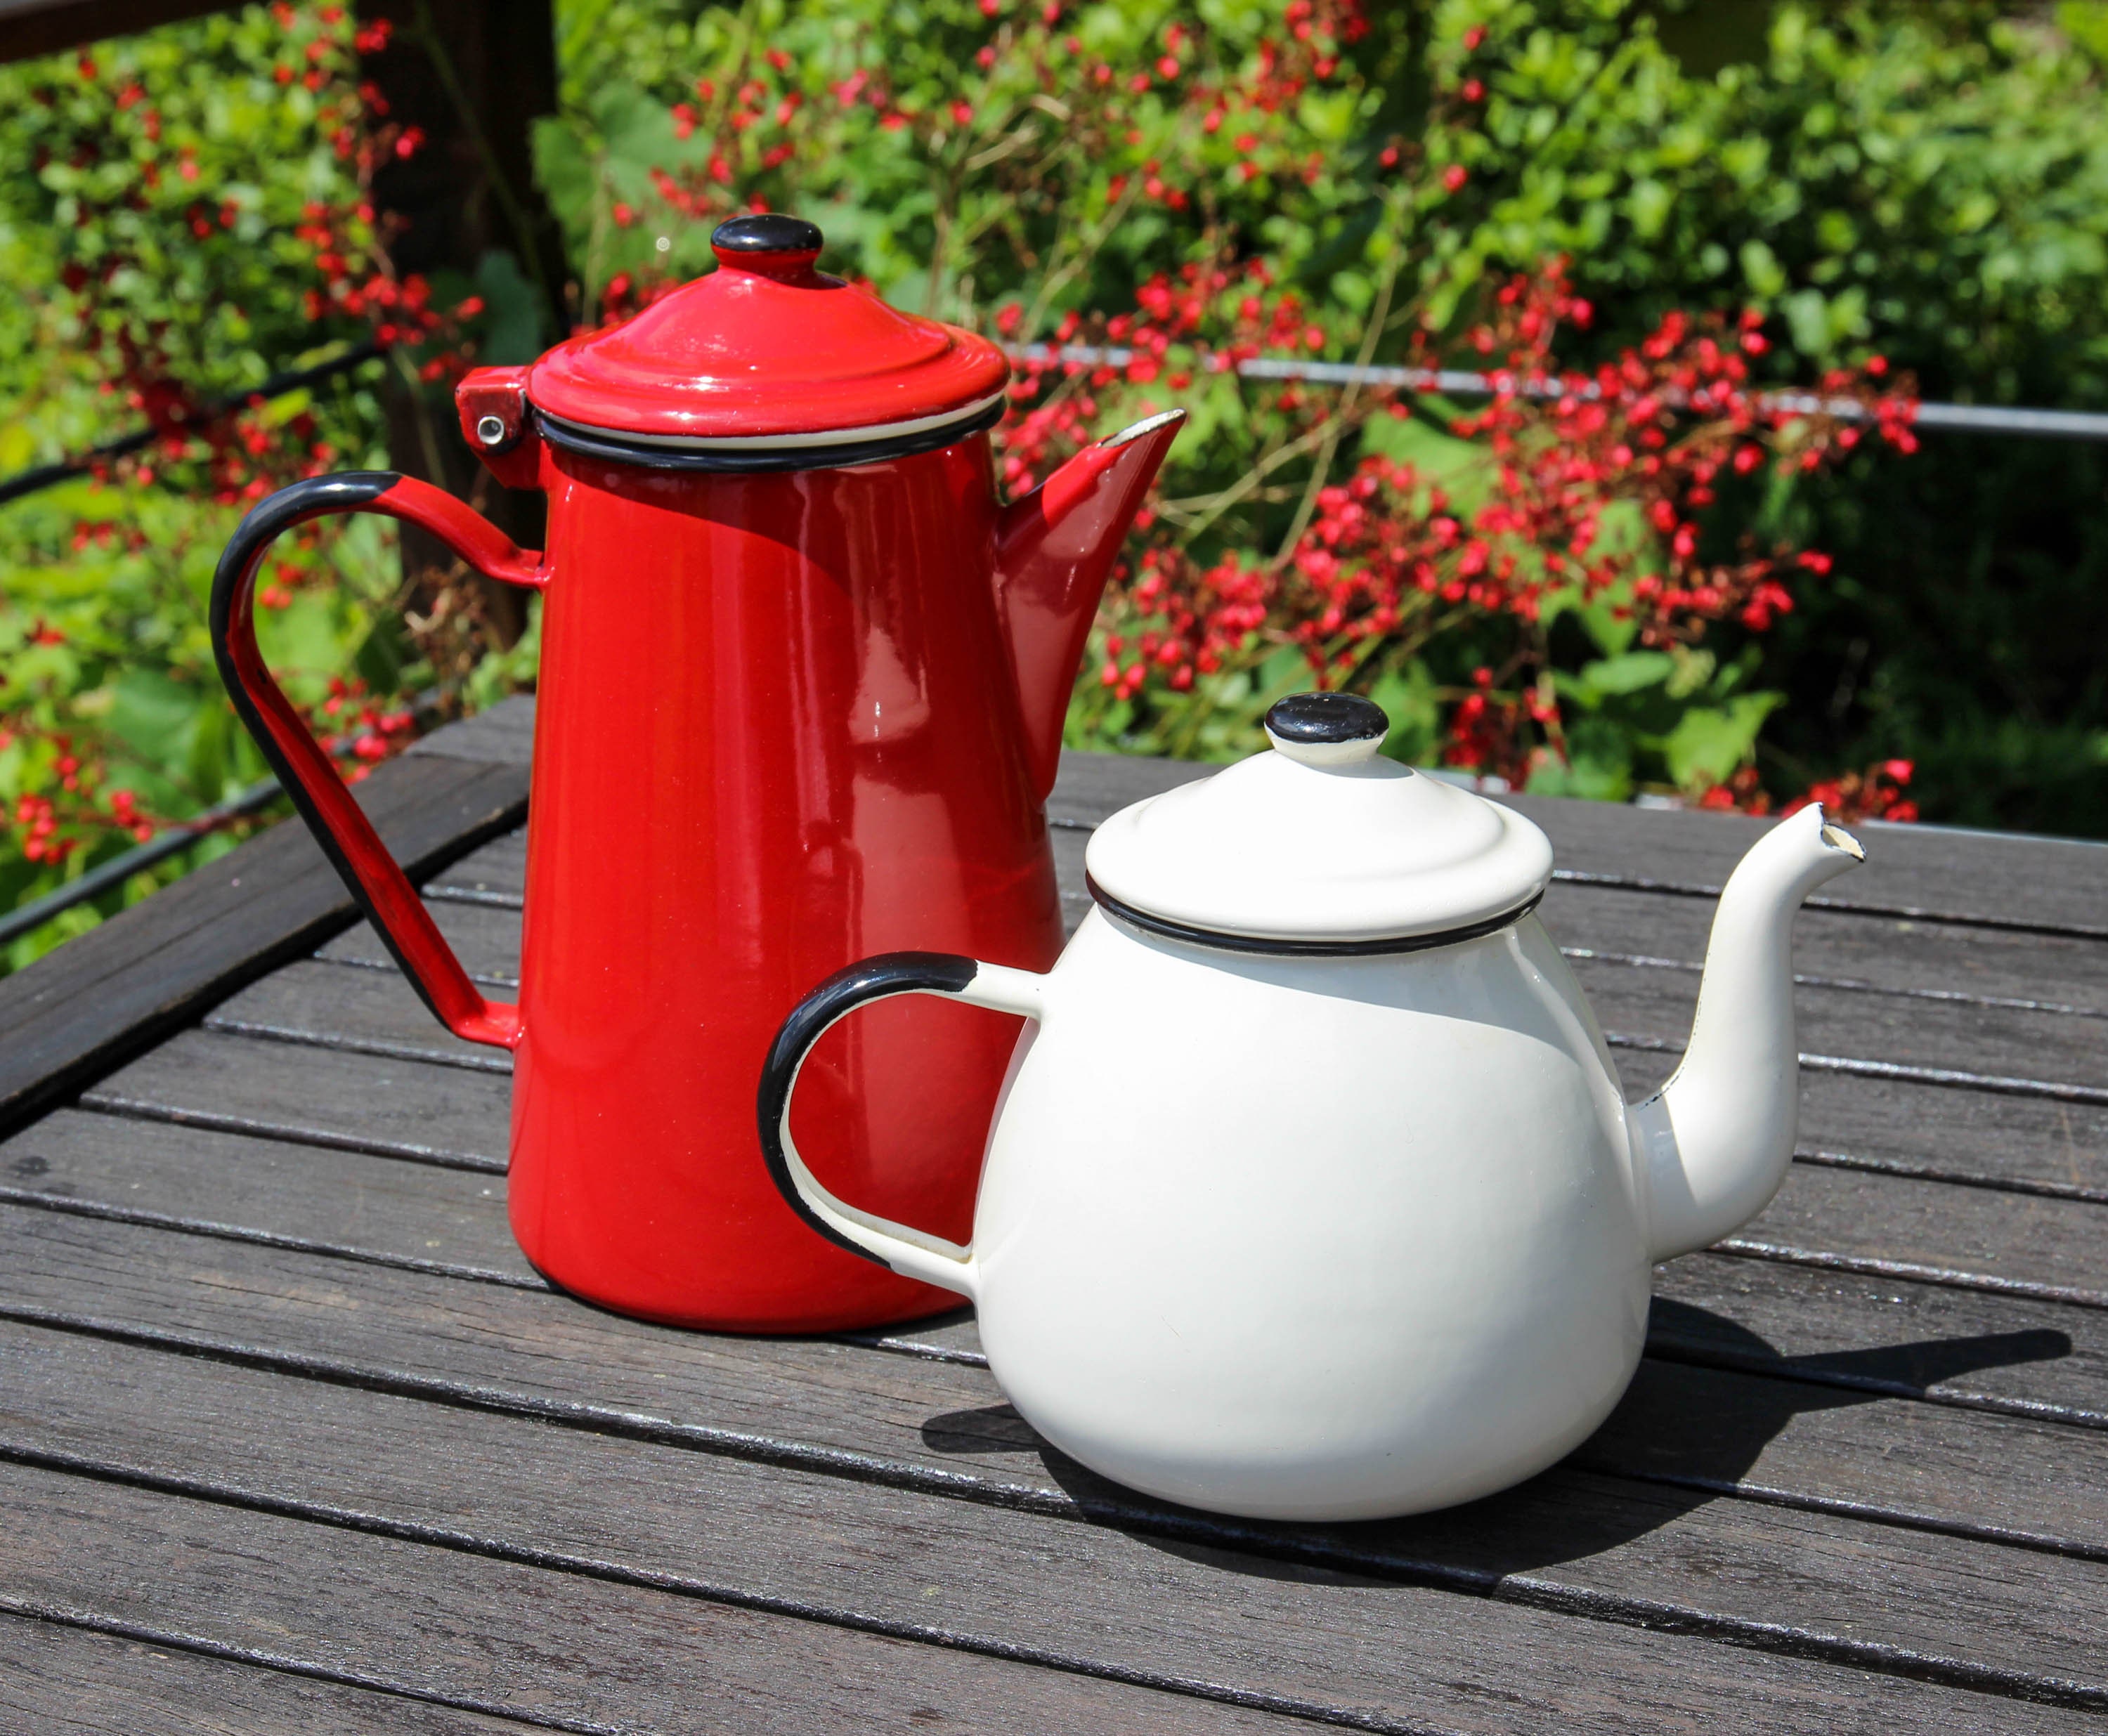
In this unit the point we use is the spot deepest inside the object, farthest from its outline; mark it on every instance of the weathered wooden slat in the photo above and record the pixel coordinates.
(1980, 1238)
(1918, 959)
(446, 1114)
(497, 871)
(60, 1680)
(531, 1351)
(494, 1635)
(412, 1215)
(1976, 1350)
(1399, 1655)
(1828, 1449)
(1093, 787)
(486, 939)
(77, 1012)
(381, 1208)
(2054, 1049)
(504, 736)
(1935, 874)
(2028, 1144)
(1609, 1547)
(323, 1004)
(1999, 882)
(353, 1102)
(1894, 955)
(2014, 1141)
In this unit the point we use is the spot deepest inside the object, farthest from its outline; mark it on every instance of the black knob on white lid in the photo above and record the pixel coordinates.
(1327, 729)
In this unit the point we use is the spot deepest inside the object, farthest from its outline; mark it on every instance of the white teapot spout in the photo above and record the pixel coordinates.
(1311, 1194)
(1714, 1143)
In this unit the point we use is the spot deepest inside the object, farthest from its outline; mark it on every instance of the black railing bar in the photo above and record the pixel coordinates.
(46, 475)
(177, 838)
(2071, 425)
(2074, 425)
(120, 869)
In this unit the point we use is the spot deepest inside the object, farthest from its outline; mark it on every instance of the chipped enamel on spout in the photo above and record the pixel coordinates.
(1711, 1146)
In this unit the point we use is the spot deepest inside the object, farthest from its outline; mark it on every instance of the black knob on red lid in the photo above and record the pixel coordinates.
(1327, 718)
(767, 232)
(768, 244)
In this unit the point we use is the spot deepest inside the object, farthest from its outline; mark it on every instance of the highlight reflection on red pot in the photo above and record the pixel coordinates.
(802, 687)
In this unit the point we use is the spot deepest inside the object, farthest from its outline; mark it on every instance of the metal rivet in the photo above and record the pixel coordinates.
(490, 429)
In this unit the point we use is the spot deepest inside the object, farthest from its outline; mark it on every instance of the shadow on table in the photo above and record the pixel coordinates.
(1686, 1433)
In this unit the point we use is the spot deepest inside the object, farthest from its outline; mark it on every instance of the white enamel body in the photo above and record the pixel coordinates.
(1342, 1236)
(1311, 1239)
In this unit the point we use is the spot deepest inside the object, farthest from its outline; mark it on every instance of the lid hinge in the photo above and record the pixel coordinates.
(496, 423)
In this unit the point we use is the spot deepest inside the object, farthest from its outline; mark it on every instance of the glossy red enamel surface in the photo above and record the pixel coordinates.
(389, 901)
(786, 720)
(766, 345)
(777, 731)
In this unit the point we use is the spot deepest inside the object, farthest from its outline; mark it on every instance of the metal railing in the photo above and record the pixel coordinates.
(120, 869)
(1997, 419)
(2069, 425)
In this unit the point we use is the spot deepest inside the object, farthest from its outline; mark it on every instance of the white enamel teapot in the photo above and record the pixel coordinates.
(1312, 1193)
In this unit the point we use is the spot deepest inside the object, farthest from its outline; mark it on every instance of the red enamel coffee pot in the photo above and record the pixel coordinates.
(802, 688)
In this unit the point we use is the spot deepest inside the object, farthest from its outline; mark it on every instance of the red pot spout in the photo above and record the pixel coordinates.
(1054, 549)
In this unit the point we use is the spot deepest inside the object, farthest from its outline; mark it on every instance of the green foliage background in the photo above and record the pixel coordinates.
(1928, 181)
(133, 673)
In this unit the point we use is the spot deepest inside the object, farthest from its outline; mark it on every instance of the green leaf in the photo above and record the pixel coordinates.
(1627, 673)
(1708, 746)
(1408, 698)
(382, 655)
(156, 716)
(1762, 271)
(514, 320)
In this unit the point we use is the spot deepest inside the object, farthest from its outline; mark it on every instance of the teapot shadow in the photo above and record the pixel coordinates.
(1686, 1433)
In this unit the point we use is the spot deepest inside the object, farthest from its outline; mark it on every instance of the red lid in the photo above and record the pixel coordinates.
(765, 347)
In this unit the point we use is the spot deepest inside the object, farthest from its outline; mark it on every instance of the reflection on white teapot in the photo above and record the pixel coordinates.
(1312, 1193)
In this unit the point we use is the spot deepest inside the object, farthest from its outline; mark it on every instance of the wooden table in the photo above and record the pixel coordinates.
(290, 1438)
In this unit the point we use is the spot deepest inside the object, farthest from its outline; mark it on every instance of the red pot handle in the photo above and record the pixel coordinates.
(339, 824)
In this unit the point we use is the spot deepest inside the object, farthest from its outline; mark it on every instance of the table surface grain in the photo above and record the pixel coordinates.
(292, 1438)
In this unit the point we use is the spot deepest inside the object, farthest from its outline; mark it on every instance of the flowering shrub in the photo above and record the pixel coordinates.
(1570, 586)
(1142, 201)
(957, 154)
(197, 216)
(1879, 792)
(1926, 181)
(1583, 496)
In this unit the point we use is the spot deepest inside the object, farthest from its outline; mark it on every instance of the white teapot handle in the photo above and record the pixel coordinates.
(913, 1253)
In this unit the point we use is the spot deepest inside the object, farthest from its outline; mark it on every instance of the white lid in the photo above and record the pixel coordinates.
(1321, 840)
